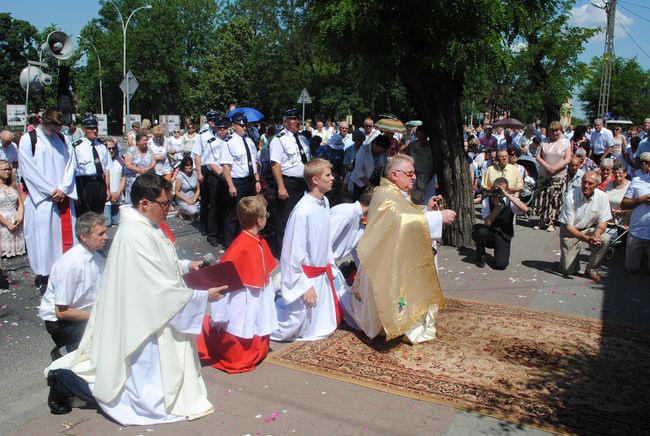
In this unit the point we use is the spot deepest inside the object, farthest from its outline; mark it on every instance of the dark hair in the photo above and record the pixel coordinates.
(148, 187)
(579, 132)
(423, 128)
(366, 196)
(514, 151)
(382, 141)
(635, 141)
(186, 160)
(270, 130)
(500, 181)
(140, 135)
(52, 117)
(618, 165)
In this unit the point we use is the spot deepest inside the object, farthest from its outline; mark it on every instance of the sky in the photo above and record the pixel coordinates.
(631, 38)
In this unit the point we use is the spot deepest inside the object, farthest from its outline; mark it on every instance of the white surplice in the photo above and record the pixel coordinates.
(138, 353)
(306, 242)
(346, 228)
(361, 313)
(52, 166)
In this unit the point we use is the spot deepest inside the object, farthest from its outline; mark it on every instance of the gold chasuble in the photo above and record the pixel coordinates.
(395, 251)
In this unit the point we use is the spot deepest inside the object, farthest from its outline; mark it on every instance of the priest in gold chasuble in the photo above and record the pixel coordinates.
(396, 290)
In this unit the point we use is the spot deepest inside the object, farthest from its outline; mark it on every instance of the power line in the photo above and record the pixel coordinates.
(633, 40)
(634, 4)
(634, 13)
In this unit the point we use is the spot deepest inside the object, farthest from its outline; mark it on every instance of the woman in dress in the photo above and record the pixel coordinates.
(189, 137)
(553, 159)
(620, 142)
(615, 191)
(176, 147)
(159, 146)
(137, 160)
(12, 241)
(187, 190)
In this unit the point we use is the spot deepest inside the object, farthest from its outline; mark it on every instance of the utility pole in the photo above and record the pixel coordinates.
(603, 100)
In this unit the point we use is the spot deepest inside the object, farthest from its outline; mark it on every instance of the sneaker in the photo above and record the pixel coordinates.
(550, 228)
(537, 228)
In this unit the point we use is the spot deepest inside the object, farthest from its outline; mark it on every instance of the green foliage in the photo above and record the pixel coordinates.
(629, 93)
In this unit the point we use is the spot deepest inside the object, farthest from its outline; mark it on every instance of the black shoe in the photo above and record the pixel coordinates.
(55, 353)
(4, 283)
(212, 240)
(58, 405)
(480, 261)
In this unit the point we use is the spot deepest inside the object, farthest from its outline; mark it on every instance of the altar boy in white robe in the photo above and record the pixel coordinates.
(47, 165)
(309, 308)
(137, 359)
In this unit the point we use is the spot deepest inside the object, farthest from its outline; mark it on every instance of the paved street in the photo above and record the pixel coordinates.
(275, 400)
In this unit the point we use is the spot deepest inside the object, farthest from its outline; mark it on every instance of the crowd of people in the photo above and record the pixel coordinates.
(130, 335)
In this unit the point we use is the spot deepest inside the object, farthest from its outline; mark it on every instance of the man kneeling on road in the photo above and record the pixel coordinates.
(72, 288)
(499, 210)
(584, 217)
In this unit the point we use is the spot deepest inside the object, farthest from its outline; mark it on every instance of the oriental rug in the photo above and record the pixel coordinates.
(556, 372)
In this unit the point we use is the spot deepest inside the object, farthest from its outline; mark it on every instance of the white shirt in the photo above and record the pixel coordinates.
(487, 208)
(116, 168)
(9, 153)
(74, 281)
(581, 213)
(212, 151)
(346, 228)
(162, 166)
(176, 144)
(233, 153)
(284, 150)
(640, 219)
(202, 138)
(364, 164)
(85, 159)
(601, 141)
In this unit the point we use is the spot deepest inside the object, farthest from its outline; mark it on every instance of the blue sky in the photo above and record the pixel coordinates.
(631, 37)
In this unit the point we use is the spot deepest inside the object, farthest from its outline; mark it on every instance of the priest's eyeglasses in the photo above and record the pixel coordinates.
(408, 174)
(164, 204)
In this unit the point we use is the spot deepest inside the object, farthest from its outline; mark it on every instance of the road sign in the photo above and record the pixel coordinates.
(129, 84)
(304, 97)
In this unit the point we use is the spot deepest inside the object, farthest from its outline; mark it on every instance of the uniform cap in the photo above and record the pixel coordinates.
(222, 121)
(212, 115)
(89, 123)
(239, 118)
(291, 113)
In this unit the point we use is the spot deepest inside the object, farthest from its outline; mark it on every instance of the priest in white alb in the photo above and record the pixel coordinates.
(47, 167)
(396, 291)
(138, 359)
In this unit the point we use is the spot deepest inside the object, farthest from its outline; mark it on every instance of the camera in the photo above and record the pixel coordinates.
(498, 192)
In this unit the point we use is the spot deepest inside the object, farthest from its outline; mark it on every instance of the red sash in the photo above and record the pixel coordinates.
(168, 232)
(67, 240)
(315, 271)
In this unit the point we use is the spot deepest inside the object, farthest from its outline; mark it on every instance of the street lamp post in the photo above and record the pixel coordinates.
(124, 27)
(99, 61)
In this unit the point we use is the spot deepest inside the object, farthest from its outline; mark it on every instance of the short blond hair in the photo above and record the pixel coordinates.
(315, 168)
(250, 209)
(556, 125)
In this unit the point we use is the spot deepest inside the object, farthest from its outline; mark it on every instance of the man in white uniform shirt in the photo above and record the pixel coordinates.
(92, 173)
(584, 215)
(200, 153)
(289, 153)
(47, 166)
(217, 191)
(239, 162)
(72, 288)
(138, 358)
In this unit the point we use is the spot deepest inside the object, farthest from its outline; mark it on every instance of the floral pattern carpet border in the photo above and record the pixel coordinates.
(548, 370)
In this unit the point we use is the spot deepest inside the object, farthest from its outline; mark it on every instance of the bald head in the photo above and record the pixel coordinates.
(6, 136)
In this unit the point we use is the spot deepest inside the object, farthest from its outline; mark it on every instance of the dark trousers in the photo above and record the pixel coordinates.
(204, 207)
(245, 187)
(296, 187)
(484, 237)
(69, 384)
(91, 192)
(66, 333)
(597, 158)
(217, 193)
(358, 190)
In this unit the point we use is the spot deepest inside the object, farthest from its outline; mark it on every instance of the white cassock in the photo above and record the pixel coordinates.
(346, 228)
(51, 167)
(306, 242)
(363, 315)
(247, 312)
(138, 353)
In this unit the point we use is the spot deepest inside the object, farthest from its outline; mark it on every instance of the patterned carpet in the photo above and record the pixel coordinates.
(547, 370)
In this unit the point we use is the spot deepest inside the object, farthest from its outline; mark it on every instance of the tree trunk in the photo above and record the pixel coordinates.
(436, 97)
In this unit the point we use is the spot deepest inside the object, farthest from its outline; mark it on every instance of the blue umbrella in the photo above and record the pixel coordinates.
(253, 115)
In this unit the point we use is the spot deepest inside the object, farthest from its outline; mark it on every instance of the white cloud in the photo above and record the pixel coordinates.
(588, 15)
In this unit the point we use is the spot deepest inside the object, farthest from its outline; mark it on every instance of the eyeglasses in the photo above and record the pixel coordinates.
(111, 148)
(164, 204)
(266, 215)
(222, 128)
(408, 174)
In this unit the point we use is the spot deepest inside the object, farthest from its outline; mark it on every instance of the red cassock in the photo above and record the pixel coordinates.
(222, 350)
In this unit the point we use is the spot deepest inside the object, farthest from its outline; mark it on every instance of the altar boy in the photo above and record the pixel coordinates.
(309, 308)
(236, 338)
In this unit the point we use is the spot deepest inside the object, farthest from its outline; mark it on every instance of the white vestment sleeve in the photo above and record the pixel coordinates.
(190, 318)
(434, 219)
(68, 183)
(294, 280)
(184, 265)
(39, 187)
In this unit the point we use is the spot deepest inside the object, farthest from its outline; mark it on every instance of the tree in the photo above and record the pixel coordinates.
(18, 41)
(628, 93)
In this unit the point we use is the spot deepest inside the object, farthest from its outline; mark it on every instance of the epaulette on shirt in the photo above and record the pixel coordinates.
(204, 130)
(211, 139)
(101, 141)
(77, 142)
(279, 135)
(227, 138)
